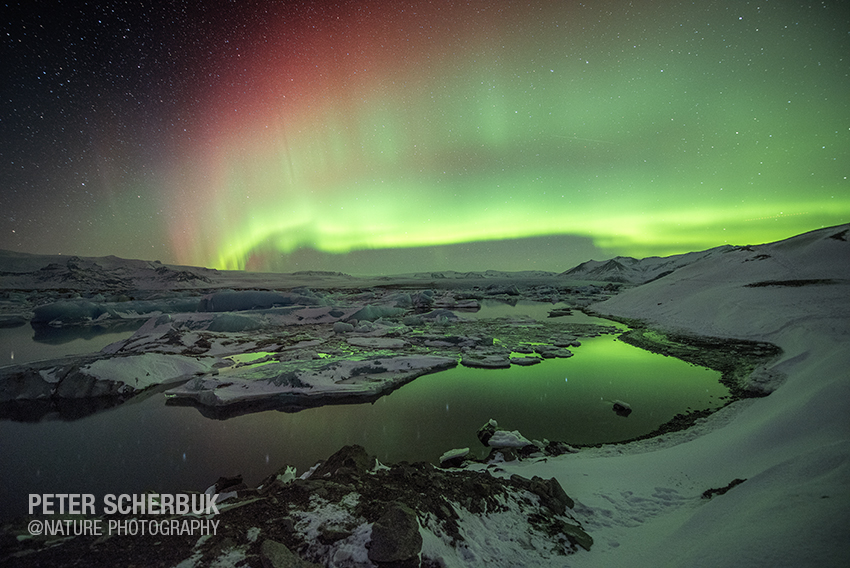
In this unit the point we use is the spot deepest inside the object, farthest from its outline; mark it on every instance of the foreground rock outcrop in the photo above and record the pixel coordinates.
(351, 511)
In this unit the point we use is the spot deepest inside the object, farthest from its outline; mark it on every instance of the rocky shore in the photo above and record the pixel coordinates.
(349, 510)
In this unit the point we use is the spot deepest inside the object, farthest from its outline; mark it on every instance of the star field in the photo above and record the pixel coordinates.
(509, 135)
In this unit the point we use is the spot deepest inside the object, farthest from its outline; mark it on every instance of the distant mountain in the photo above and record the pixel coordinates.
(491, 274)
(34, 271)
(737, 288)
(24, 271)
(628, 270)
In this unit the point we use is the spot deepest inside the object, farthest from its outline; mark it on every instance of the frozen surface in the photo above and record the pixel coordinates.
(334, 380)
(142, 371)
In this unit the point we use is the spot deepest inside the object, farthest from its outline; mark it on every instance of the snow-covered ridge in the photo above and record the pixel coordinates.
(31, 271)
(629, 270)
(736, 291)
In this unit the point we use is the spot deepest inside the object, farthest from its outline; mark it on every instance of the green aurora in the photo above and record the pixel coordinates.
(651, 136)
(632, 128)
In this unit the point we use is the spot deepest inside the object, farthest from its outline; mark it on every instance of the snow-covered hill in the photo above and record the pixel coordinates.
(629, 270)
(644, 501)
(736, 291)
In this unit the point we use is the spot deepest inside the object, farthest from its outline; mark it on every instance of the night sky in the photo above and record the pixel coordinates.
(391, 136)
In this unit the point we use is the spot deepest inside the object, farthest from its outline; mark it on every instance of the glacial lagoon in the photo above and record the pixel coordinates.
(145, 444)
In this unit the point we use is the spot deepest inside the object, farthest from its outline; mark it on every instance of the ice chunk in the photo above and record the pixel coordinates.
(233, 323)
(371, 313)
(68, 312)
(454, 454)
(505, 439)
(232, 301)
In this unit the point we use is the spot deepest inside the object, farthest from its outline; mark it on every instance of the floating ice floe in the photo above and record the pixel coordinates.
(301, 386)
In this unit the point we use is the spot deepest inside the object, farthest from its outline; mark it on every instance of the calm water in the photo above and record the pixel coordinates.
(23, 344)
(146, 445)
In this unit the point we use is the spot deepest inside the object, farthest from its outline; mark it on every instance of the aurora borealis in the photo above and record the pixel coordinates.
(508, 135)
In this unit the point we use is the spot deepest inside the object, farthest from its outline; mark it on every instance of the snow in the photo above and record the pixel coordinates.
(142, 371)
(301, 383)
(452, 454)
(505, 439)
(350, 551)
(642, 502)
(635, 271)
(499, 539)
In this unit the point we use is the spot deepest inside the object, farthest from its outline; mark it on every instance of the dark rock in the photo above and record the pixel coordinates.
(24, 385)
(558, 449)
(352, 460)
(456, 461)
(328, 535)
(552, 352)
(77, 384)
(486, 361)
(553, 494)
(395, 536)
(274, 554)
(233, 483)
(525, 361)
(566, 341)
(550, 492)
(486, 432)
(577, 536)
(709, 493)
(454, 458)
(503, 454)
(342, 327)
(423, 299)
(497, 289)
(535, 448)
(622, 408)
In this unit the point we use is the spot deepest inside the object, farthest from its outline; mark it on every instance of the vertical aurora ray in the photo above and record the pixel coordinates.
(379, 126)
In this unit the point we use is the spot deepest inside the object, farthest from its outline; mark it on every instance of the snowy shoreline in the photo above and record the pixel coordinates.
(643, 502)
